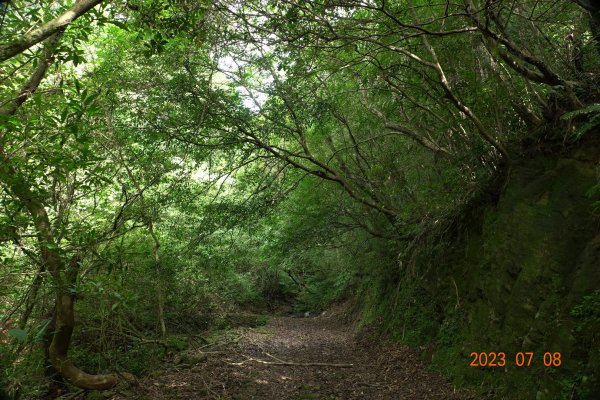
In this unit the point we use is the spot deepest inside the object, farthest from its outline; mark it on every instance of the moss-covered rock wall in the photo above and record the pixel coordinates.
(520, 274)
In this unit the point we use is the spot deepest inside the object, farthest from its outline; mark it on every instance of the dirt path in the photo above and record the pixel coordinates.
(249, 368)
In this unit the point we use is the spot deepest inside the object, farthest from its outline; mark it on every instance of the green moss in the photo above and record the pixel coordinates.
(178, 342)
(507, 282)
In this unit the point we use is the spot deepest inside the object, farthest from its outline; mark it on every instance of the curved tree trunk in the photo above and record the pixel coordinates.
(65, 322)
(24, 191)
(57, 385)
(62, 279)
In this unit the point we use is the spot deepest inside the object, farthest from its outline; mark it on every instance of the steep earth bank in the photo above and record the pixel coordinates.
(518, 273)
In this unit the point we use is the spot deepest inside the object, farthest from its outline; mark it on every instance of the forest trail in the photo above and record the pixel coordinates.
(287, 360)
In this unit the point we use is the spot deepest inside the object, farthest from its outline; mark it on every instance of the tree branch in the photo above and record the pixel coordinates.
(48, 29)
(45, 60)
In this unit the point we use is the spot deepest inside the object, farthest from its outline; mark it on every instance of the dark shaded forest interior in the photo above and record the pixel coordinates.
(259, 199)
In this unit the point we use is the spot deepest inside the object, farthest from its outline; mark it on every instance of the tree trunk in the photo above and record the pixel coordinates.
(17, 184)
(57, 384)
(159, 290)
(55, 265)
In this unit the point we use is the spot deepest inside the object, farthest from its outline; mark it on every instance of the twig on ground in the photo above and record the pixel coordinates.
(292, 363)
(72, 395)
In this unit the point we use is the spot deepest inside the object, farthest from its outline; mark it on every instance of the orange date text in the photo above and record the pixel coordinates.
(521, 359)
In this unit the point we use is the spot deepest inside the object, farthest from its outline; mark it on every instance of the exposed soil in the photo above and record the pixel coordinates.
(249, 368)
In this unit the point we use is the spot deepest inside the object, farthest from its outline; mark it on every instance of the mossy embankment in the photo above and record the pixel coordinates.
(516, 273)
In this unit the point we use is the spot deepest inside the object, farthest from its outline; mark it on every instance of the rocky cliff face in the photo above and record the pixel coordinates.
(525, 266)
(522, 274)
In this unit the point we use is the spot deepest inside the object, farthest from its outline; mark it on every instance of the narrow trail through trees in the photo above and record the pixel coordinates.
(298, 358)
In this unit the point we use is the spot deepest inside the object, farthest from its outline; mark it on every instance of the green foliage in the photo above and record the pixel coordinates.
(587, 313)
(592, 115)
(587, 317)
(19, 334)
(326, 285)
(206, 159)
(594, 192)
(271, 285)
(407, 315)
(177, 343)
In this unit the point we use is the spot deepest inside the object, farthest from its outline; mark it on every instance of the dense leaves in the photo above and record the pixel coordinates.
(165, 162)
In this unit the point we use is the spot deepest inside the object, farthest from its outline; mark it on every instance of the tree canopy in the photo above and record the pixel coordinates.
(158, 157)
